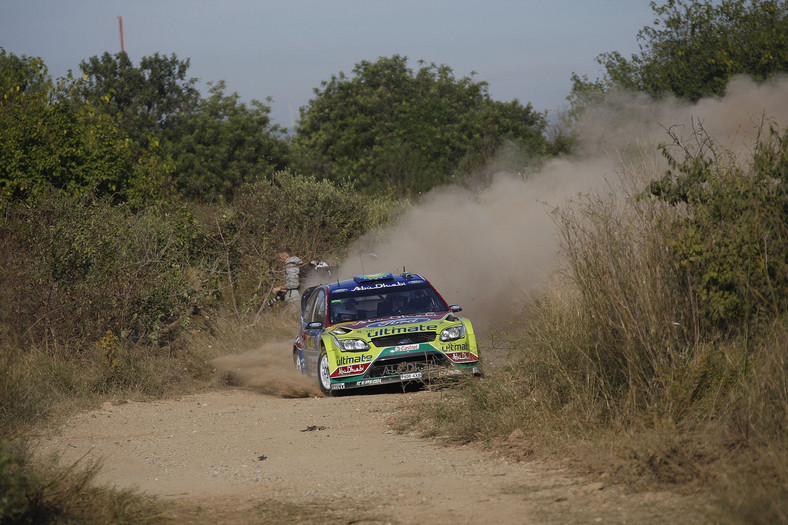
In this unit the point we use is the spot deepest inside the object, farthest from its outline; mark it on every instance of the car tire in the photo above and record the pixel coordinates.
(323, 374)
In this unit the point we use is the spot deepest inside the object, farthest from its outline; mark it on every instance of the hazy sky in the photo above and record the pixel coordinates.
(523, 49)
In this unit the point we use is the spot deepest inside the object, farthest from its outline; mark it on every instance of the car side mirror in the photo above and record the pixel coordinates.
(455, 308)
(314, 326)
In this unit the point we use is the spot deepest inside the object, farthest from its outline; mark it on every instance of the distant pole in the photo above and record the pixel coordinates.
(122, 45)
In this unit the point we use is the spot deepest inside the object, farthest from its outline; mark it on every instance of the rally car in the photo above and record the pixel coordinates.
(379, 329)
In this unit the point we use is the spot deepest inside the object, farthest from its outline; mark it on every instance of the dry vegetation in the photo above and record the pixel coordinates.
(660, 358)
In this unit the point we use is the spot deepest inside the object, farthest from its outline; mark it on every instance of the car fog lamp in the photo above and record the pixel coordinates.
(453, 332)
(354, 344)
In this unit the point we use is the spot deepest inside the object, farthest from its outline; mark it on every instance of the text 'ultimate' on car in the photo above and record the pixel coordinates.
(380, 329)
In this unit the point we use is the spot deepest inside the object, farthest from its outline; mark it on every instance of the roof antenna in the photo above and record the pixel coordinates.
(361, 258)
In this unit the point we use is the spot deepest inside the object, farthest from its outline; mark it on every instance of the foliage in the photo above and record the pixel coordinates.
(221, 144)
(388, 128)
(75, 268)
(47, 141)
(734, 242)
(142, 100)
(584, 93)
(208, 146)
(314, 218)
(21, 74)
(696, 46)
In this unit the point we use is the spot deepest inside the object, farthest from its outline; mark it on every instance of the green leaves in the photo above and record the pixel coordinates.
(390, 128)
(222, 144)
(695, 46)
(733, 244)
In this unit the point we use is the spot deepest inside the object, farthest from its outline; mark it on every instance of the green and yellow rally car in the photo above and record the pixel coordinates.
(379, 329)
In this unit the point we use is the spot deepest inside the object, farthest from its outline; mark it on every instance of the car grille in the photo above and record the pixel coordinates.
(405, 364)
(403, 339)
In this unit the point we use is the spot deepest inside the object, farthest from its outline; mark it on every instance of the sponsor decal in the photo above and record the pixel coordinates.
(395, 322)
(337, 386)
(352, 359)
(369, 382)
(462, 357)
(350, 370)
(455, 347)
(401, 329)
(408, 367)
(376, 286)
(413, 375)
(404, 348)
(373, 277)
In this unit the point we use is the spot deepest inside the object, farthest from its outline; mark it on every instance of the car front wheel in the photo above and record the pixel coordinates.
(324, 374)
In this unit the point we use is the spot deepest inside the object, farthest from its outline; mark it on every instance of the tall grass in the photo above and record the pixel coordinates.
(43, 492)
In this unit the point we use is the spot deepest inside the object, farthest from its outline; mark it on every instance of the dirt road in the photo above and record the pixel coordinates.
(239, 456)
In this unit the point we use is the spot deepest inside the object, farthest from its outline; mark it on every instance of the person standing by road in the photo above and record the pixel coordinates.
(292, 275)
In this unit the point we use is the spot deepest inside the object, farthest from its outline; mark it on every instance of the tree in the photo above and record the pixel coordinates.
(46, 141)
(223, 143)
(388, 128)
(207, 145)
(731, 240)
(21, 74)
(695, 47)
(143, 100)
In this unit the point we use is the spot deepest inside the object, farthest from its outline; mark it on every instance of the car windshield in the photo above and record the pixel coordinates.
(383, 302)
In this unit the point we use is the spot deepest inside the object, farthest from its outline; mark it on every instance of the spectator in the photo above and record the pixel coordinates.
(292, 275)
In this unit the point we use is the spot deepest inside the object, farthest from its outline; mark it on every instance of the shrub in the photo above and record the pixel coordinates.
(316, 219)
(75, 268)
(733, 243)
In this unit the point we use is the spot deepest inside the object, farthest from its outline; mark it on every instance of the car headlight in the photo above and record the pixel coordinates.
(354, 344)
(453, 332)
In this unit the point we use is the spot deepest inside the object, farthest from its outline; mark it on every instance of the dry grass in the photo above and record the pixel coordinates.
(43, 492)
(615, 369)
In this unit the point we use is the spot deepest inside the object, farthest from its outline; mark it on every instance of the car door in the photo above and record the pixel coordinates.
(313, 328)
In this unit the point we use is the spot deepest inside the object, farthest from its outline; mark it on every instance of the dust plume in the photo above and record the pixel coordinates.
(268, 370)
(487, 250)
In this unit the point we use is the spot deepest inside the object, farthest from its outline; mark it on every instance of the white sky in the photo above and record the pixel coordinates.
(523, 49)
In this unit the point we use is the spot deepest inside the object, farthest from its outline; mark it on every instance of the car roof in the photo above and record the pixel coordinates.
(376, 281)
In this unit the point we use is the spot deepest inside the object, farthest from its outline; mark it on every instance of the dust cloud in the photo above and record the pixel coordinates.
(268, 370)
(490, 249)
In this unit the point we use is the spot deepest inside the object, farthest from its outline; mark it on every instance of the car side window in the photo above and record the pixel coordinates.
(310, 304)
(319, 311)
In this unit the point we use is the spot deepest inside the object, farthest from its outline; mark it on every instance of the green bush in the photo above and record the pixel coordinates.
(75, 268)
(317, 219)
(733, 244)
